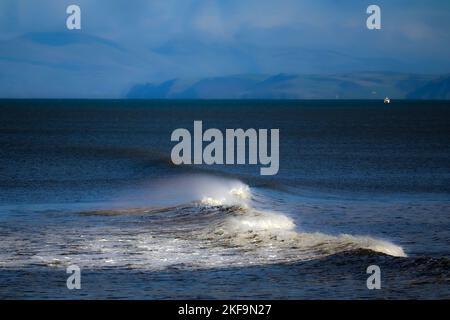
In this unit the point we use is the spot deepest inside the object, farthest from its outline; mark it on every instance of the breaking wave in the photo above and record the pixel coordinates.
(223, 227)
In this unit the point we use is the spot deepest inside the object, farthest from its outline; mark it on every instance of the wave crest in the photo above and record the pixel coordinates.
(222, 229)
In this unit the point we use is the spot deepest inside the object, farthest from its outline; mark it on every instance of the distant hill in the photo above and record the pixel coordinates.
(371, 85)
(435, 89)
(151, 91)
(76, 64)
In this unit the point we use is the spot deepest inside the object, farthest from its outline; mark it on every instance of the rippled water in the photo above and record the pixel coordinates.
(90, 183)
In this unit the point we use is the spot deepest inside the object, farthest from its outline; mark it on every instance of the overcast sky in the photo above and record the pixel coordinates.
(124, 42)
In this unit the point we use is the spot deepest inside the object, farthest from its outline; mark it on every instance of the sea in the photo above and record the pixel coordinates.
(91, 183)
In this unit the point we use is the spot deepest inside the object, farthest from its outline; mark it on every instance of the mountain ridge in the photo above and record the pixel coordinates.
(362, 85)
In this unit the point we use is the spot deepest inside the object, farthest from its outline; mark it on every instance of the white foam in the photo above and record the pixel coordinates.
(208, 201)
(240, 192)
(220, 230)
(261, 221)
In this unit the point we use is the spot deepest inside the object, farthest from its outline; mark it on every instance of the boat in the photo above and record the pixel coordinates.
(387, 100)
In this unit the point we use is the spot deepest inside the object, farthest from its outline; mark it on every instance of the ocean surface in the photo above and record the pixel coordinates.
(91, 183)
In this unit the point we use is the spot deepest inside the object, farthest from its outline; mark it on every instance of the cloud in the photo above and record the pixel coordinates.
(198, 38)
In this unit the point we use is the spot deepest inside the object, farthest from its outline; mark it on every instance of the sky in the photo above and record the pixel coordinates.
(122, 43)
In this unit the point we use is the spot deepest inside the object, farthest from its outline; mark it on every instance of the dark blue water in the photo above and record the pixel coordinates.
(91, 183)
